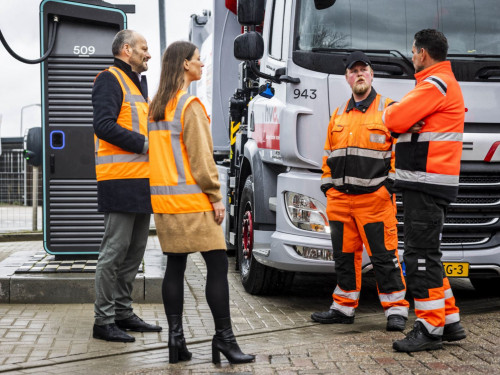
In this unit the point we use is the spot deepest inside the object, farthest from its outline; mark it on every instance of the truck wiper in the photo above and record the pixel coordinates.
(383, 51)
(475, 55)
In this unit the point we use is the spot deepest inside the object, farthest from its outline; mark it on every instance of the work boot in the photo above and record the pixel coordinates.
(454, 332)
(177, 349)
(332, 317)
(110, 332)
(136, 324)
(418, 339)
(396, 323)
(225, 342)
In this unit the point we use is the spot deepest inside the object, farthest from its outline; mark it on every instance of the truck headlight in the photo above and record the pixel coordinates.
(306, 213)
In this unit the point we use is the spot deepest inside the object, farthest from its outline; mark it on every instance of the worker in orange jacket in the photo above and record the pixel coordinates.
(427, 171)
(360, 206)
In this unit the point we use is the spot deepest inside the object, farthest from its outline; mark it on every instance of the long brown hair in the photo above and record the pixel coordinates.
(171, 77)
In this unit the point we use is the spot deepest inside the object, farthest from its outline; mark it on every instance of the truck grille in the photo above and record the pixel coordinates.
(473, 221)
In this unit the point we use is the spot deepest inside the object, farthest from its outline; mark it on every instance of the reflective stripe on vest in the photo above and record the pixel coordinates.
(371, 150)
(179, 196)
(432, 137)
(132, 99)
(175, 128)
(111, 161)
(439, 83)
(428, 178)
(364, 152)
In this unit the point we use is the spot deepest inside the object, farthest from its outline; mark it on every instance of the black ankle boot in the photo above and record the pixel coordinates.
(177, 349)
(225, 342)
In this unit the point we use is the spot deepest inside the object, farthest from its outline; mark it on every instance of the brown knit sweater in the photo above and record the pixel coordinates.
(191, 232)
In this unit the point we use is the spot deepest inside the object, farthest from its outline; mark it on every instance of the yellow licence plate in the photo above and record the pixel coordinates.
(453, 269)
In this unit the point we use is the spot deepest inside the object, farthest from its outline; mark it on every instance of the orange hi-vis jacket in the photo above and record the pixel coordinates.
(358, 155)
(429, 161)
(113, 162)
(173, 187)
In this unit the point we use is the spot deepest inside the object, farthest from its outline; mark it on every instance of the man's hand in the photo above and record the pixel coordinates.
(417, 127)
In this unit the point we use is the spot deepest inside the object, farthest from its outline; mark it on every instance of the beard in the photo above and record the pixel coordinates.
(361, 88)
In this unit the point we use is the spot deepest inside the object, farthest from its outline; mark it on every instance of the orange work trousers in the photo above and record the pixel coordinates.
(369, 219)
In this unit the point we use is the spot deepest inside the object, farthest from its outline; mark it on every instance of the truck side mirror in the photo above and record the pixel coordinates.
(33, 147)
(249, 46)
(251, 12)
(323, 4)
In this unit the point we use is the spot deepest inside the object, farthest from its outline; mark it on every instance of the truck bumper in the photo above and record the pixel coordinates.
(281, 253)
(481, 262)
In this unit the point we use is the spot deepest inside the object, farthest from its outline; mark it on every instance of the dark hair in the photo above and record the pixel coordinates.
(171, 76)
(434, 42)
(121, 38)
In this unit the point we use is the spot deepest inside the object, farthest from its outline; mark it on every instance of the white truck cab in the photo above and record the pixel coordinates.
(289, 83)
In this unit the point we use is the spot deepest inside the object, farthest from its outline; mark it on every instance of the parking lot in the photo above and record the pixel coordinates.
(56, 338)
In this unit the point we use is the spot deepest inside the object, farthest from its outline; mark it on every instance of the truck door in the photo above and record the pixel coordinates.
(82, 49)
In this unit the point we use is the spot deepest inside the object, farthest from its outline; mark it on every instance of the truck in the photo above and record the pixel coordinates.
(275, 73)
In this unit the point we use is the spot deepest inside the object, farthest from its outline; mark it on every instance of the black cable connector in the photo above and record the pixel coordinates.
(52, 40)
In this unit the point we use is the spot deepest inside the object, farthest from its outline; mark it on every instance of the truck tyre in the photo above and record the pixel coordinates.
(255, 277)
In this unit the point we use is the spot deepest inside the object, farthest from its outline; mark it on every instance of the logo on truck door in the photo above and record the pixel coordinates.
(267, 131)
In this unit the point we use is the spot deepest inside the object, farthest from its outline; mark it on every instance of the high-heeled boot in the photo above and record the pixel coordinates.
(225, 342)
(177, 349)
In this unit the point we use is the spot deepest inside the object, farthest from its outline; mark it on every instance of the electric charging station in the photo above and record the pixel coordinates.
(83, 33)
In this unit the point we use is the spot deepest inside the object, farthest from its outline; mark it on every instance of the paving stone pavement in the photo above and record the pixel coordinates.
(56, 339)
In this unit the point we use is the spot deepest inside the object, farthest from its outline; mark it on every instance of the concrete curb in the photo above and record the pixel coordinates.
(73, 287)
(37, 236)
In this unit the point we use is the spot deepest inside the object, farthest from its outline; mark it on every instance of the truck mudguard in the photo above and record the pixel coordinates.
(265, 182)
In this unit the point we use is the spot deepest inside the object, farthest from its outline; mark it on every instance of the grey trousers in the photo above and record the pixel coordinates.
(121, 252)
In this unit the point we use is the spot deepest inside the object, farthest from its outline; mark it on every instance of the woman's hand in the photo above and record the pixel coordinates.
(219, 211)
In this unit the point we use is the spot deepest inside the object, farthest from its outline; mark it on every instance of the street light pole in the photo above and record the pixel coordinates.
(163, 32)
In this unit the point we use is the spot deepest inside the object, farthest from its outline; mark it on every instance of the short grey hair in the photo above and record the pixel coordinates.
(121, 38)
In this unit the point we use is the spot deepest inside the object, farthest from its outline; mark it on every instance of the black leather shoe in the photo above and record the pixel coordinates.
(454, 332)
(332, 317)
(418, 339)
(136, 324)
(110, 332)
(396, 323)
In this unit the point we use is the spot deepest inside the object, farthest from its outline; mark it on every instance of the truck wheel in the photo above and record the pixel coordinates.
(255, 277)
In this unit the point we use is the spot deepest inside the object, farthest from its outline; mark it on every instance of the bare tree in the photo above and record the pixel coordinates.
(325, 38)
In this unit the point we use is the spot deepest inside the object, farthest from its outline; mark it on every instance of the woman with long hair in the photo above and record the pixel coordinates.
(187, 202)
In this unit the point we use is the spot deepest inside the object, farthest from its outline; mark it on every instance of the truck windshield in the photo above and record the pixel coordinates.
(471, 26)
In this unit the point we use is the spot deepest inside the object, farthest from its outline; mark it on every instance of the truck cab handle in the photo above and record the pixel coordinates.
(279, 77)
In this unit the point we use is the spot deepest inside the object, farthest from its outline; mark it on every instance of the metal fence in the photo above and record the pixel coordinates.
(16, 189)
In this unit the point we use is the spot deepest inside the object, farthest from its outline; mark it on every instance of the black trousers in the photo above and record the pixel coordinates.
(424, 217)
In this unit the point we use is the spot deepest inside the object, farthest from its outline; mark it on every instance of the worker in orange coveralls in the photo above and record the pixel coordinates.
(360, 205)
(427, 172)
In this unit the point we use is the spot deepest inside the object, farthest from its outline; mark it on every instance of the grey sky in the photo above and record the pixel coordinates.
(19, 22)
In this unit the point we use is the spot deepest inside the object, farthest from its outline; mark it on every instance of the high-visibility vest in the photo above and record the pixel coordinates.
(173, 187)
(429, 161)
(113, 162)
(358, 155)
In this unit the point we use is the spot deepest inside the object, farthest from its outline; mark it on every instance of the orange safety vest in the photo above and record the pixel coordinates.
(173, 187)
(358, 155)
(429, 161)
(113, 162)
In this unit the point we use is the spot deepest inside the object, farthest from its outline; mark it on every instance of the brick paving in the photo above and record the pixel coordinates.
(56, 339)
